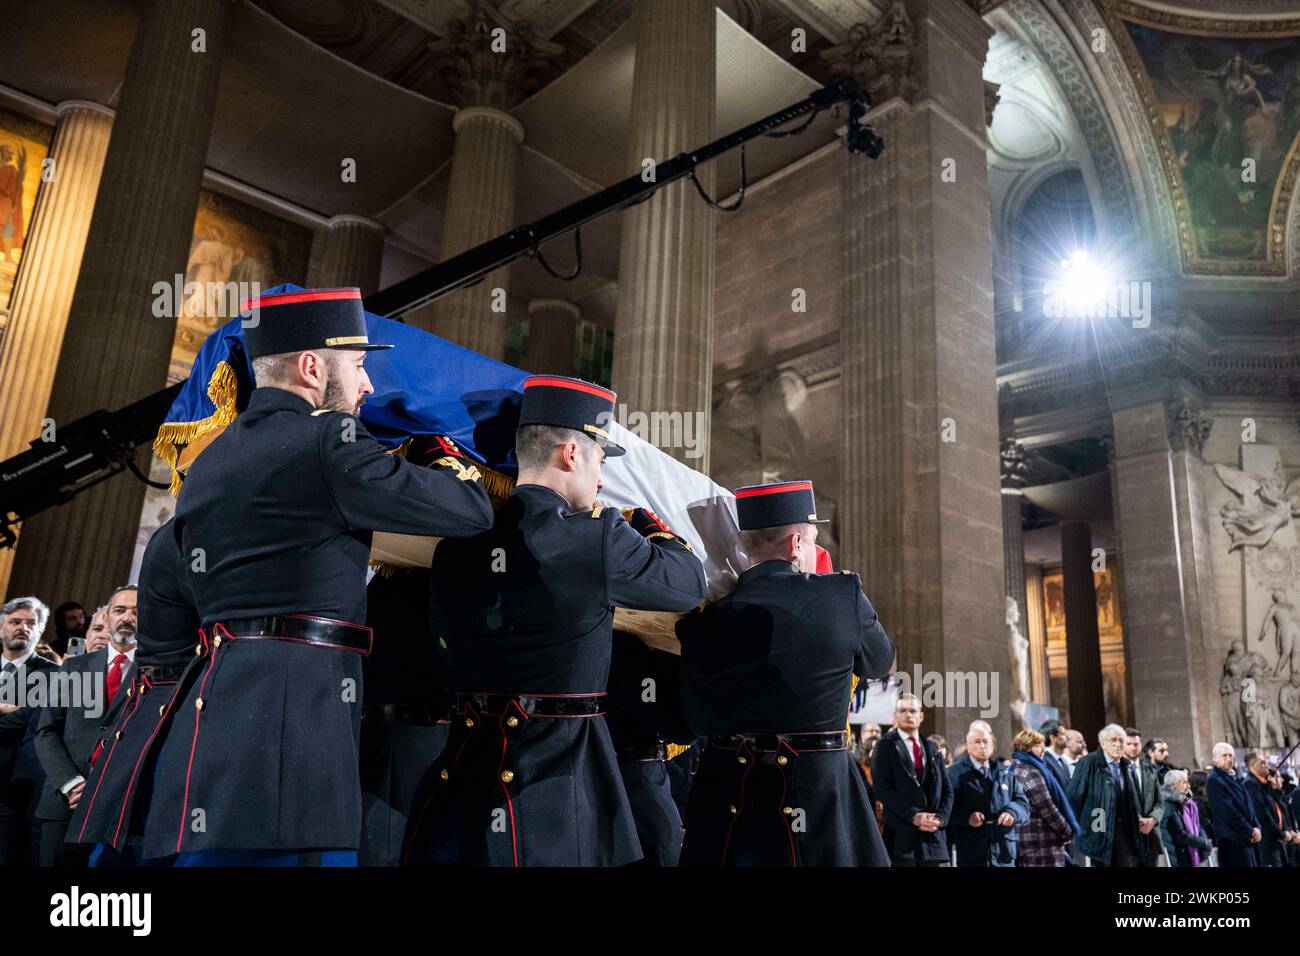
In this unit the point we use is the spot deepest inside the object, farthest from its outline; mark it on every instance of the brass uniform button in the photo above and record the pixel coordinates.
(118, 735)
(445, 774)
(512, 721)
(198, 650)
(162, 710)
(788, 811)
(469, 721)
(507, 776)
(742, 760)
(783, 760)
(198, 704)
(216, 642)
(732, 808)
(130, 692)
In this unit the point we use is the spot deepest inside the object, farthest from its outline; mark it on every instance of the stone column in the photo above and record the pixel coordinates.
(1165, 566)
(921, 517)
(1082, 642)
(347, 251)
(42, 297)
(663, 344)
(1036, 630)
(551, 327)
(115, 351)
(486, 81)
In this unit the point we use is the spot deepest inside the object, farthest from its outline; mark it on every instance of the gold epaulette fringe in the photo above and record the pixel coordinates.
(676, 750)
(496, 484)
(223, 388)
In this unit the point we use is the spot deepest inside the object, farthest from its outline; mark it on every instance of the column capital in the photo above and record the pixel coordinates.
(1188, 426)
(347, 219)
(488, 114)
(1015, 466)
(880, 58)
(84, 106)
(488, 60)
(553, 305)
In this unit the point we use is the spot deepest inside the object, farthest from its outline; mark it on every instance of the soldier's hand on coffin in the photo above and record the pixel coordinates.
(646, 523)
(439, 451)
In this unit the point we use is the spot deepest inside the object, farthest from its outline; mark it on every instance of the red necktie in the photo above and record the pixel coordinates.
(115, 676)
(916, 757)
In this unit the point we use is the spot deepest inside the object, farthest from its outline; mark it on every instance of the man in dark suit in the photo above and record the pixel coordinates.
(525, 610)
(1150, 805)
(910, 781)
(1056, 735)
(1103, 792)
(259, 765)
(69, 732)
(22, 621)
(1271, 849)
(1237, 830)
(767, 675)
(988, 804)
(111, 807)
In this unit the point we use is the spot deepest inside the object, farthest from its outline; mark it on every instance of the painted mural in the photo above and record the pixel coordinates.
(24, 145)
(1225, 108)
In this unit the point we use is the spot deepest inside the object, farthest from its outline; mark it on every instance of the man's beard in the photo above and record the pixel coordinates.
(122, 638)
(336, 400)
(18, 643)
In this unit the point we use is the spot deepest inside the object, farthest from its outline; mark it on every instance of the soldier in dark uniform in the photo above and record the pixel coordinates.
(644, 718)
(111, 810)
(767, 676)
(529, 776)
(404, 721)
(260, 763)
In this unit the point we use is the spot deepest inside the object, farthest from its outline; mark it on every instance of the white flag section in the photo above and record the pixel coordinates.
(691, 503)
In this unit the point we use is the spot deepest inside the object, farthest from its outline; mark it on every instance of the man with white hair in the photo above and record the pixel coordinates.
(1236, 828)
(1103, 793)
(988, 804)
(22, 621)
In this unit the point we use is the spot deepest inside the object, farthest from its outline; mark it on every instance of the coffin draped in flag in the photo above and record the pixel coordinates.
(427, 385)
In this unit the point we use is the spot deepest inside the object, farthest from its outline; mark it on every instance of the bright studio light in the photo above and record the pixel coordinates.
(1083, 285)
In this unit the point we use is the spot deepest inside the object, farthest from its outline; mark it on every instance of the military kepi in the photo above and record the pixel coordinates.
(302, 321)
(771, 506)
(570, 403)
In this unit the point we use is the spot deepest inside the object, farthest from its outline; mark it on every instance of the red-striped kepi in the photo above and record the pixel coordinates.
(570, 403)
(301, 321)
(777, 504)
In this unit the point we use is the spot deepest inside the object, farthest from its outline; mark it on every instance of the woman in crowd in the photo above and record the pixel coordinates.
(942, 744)
(1043, 840)
(1180, 829)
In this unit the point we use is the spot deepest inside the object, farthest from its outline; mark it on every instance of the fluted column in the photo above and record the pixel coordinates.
(347, 251)
(1082, 643)
(480, 206)
(919, 515)
(551, 326)
(42, 296)
(115, 351)
(490, 64)
(663, 337)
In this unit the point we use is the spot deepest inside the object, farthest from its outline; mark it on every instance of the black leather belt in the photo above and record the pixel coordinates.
(298, 629)
(421, 715)
(657, 751)
(802, 743)
(533, 705)
(161, 673)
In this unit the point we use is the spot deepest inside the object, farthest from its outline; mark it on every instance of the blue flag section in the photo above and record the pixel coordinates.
(425, 385)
